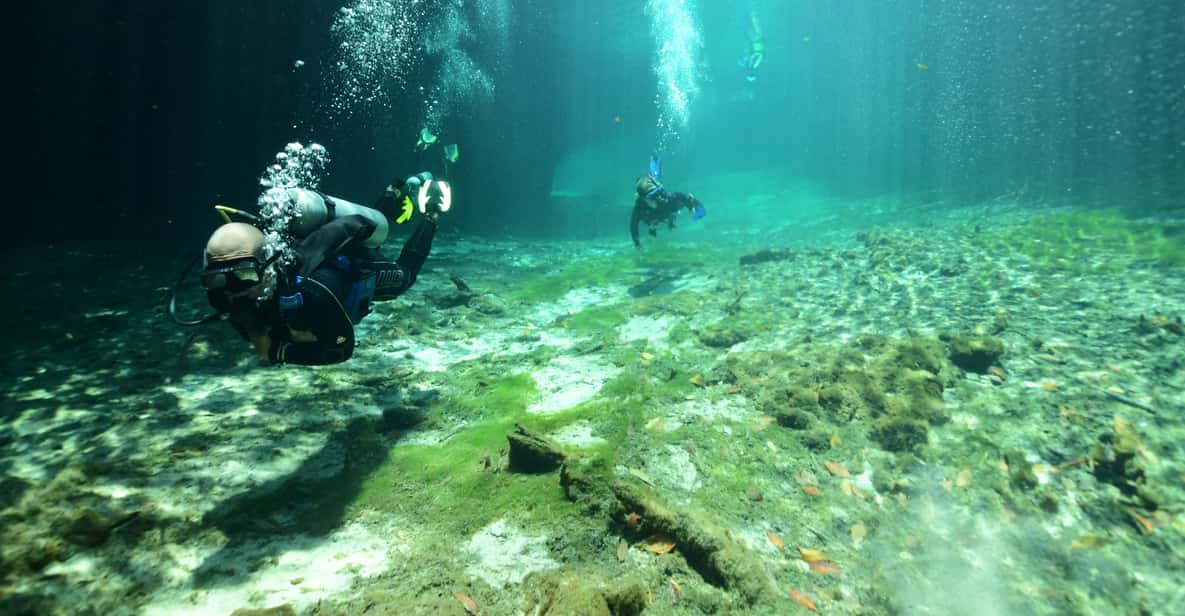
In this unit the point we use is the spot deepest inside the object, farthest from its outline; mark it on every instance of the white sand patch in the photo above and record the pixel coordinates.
(674, 468)
(732, 408)
(576, 300)
(653, 330)
(579, 434)
(568, 381)
(306, 571)
(504, 555)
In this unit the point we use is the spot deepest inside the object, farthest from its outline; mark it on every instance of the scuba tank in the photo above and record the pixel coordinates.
(317, 209)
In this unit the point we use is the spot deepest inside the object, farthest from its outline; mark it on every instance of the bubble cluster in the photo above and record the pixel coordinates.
(376, 45)
(460, 81)
(677, 47)
(296, 166)
(380, 42)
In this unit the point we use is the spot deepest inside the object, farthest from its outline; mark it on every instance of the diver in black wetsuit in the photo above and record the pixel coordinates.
(305, 313)
(655, 205)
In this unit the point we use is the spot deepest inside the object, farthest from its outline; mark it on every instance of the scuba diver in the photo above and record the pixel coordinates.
(755, 52)
(655, 204)
(304, 313)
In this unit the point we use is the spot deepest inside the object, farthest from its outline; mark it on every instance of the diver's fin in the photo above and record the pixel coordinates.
(451, 153)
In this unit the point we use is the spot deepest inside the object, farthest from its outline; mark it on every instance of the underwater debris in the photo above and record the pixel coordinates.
(719, 560)
(623, 549)
(811, 555)
(767, 255)
(532, 453)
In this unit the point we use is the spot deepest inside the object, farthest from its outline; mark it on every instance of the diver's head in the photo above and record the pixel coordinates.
(236, 274)
(648, 187)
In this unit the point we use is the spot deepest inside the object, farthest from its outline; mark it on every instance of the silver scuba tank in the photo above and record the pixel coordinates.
(314, 212)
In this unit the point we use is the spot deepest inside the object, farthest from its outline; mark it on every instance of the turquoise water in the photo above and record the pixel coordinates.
(922, 355)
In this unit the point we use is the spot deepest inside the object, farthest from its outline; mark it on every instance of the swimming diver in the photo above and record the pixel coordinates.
(305, 313)
(654, 204)
(755, 52)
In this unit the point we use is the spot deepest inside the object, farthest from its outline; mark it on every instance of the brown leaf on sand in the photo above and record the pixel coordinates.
(776, 540)
(859, 531)
(836, 469)
(825, 567)
(811, 555)
(467, 601)
(658, 544)
(811, 490)
(803, 600)
(697, 380)
(623, 548)
(963, 479)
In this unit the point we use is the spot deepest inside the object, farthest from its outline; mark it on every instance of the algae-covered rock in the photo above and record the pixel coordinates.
(974, 353)
(795, 419)
(899, 434)
(627, 597)
(279, 610)
(724, 334)
(815, 440)
(532, 453)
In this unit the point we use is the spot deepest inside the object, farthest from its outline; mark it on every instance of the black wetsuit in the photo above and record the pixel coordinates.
(659, 209)
(312, 298)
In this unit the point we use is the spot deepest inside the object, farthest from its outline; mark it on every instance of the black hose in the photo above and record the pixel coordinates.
(173, 300)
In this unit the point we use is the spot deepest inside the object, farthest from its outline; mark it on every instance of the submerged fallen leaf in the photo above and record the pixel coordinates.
(658, 544)
(647, 356)
(811, 490)
(763, 422)
(641, 475)
(835, 440)
(623, 548)
(811, 555)
(1146, 523)
(655, 424)
(467, 601)
(733, 389)
(825, 567)
(676, 591)
(859, 531)
(836, 469)
(963, 479)
(850, 489)
(803, 600)
(1091, 541)
(776, 540)
(697, 380)
(1048, 386)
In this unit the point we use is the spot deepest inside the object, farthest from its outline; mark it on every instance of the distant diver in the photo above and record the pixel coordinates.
(305, 313)
(655, 205)
(755, 51)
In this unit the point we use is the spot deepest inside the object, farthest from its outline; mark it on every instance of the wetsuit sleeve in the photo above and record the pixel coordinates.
(331, 239)
(323, 315)
(415, 251)
(635, 218)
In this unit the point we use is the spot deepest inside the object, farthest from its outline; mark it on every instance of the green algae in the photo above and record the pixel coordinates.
(1059, 241)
